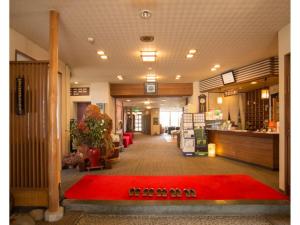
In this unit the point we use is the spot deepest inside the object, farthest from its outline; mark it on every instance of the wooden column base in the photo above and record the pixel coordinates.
(54, 216)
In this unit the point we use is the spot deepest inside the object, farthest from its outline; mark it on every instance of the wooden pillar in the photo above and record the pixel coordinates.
(54, 212)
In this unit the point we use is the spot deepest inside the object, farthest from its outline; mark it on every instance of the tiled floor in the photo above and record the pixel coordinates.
(156, 155)
(178, 220)
(92, 219)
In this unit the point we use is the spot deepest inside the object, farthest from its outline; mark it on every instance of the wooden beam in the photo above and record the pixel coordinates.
(164, 90)
(54, 212)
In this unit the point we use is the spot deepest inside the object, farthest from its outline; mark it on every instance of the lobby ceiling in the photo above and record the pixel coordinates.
(231, 33)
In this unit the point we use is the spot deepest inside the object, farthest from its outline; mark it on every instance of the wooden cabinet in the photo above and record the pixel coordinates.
(257, 110)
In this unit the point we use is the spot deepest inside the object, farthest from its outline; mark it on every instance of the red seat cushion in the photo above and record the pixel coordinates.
(126, 141)
(129, 133)
(130, 137)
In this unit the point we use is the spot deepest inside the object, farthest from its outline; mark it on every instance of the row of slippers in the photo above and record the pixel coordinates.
(162, 192)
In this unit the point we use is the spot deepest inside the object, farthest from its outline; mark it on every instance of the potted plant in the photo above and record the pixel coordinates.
(94, 131)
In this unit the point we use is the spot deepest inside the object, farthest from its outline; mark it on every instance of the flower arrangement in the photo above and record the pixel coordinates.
(94, 130)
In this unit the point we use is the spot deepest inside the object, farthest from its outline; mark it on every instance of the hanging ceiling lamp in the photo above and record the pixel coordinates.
(265, 91)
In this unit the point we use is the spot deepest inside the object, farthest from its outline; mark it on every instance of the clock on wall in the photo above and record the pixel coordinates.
(202, 103)
(151, 88)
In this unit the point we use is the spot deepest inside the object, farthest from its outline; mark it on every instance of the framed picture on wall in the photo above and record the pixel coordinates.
(155, 121)
(101, 107)
(151, 88)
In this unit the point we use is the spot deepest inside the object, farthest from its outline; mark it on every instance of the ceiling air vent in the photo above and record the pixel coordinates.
(147, 38)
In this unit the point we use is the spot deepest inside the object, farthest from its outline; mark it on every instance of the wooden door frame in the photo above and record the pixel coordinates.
(287, 122)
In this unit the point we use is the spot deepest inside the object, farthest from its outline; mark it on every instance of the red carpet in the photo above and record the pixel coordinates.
(216, 187)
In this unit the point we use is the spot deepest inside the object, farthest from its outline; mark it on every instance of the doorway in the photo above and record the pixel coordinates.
(138, 122)
(81, 106)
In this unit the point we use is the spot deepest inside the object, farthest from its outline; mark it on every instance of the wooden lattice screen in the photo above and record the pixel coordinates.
(28, 133)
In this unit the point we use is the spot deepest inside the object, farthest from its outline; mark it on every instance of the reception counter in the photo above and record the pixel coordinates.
(248, 146)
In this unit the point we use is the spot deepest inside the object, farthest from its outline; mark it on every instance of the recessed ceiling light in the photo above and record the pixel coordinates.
(217, 66)
(146, 102)
(120, 77)
(76, 82)
(103, 56)
(145, 14)
(148, 56)
(100, 52)
(148, 107)
(192, 51)
(163, 100)
(253, 82)
(213, 69)
(189, 56)
(128, 100)
(91, 40)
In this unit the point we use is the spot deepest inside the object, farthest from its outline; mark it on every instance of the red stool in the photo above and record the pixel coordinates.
(126, 141)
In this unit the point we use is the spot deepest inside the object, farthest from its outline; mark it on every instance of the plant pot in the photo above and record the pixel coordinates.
(94, 157)
(84, 149)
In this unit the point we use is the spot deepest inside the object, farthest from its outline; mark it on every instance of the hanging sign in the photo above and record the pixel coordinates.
(230, 92)
(80, 91)
(20, 96)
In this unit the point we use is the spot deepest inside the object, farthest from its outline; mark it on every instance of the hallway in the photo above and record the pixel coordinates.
(153, 155)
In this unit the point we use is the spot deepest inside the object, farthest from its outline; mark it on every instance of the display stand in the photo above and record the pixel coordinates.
(187, 135)
(193, 141)
(200, 134)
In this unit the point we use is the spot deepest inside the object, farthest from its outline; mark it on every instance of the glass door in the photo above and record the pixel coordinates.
(138, 122)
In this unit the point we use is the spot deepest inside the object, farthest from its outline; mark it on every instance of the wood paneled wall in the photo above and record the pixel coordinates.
(163, 90)
(28, 135)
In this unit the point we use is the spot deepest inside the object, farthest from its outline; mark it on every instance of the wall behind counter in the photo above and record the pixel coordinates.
(231, 104)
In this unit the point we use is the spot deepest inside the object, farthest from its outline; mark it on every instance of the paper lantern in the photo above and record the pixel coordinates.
(219, 100)
(264, 93)
(211, 150)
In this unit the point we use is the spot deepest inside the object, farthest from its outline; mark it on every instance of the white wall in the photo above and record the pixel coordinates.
(100, 92)
(283, 48)
(193, 106)
(19, 42)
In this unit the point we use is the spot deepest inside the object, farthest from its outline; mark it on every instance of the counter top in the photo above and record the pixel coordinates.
(246, 133)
